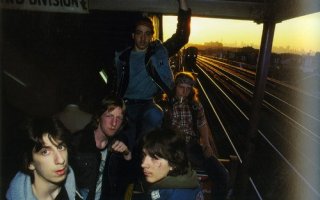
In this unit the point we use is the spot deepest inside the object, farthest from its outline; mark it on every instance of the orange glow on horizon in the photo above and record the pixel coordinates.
(300, 33)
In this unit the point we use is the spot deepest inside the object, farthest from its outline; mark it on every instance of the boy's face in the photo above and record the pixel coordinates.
(183, 90)
(110, 122)
(142, 37)
(50, 164)
(154, 169)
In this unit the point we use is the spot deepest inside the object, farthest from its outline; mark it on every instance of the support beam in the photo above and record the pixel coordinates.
(260, 84)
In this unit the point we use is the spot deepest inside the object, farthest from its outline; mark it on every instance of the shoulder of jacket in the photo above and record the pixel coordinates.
(20, 187)
(123, 54)
(156, 42)
(156, 45)
(123, 50)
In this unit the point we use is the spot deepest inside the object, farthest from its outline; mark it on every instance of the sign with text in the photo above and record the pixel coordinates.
(66, 6)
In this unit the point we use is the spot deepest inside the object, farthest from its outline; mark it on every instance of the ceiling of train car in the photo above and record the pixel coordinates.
(256, 10)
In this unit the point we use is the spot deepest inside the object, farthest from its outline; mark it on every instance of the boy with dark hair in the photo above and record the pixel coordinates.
(143, 70)
(46, 173)
(166, 167)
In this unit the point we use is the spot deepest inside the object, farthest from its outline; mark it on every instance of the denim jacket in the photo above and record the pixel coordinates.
(156, 58)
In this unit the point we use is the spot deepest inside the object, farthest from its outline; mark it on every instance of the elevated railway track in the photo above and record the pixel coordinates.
(228, 90)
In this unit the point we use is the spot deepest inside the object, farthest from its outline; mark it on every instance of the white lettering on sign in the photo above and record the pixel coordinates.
(77, 6)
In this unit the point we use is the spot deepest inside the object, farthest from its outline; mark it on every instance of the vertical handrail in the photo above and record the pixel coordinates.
(260, 84)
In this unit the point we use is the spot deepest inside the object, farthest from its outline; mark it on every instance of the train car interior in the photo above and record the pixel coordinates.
(49, 51)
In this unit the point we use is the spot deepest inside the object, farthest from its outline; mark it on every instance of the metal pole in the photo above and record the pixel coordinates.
(160, 27)
(260, 83)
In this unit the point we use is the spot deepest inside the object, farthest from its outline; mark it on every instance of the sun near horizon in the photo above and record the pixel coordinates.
(300, 34)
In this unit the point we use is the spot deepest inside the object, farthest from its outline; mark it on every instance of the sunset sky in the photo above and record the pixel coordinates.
(302, 33)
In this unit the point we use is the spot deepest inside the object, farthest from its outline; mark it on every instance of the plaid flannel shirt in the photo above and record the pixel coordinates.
(182, 119)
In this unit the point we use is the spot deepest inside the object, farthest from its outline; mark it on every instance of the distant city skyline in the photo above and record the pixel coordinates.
(298, 35)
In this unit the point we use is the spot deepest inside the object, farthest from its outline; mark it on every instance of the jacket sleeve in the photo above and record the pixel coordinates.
(181, 36)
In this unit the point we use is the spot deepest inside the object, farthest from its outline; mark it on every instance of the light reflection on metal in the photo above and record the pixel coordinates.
(104, 76)
(15, 78)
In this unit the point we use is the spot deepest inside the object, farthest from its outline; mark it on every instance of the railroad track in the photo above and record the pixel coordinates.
(286, 131)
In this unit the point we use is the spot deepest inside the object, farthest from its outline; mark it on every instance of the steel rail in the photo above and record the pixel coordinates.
(268, 105)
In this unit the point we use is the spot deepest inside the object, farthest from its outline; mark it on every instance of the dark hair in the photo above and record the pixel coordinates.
(32, 139)
(108, 104)
(145, 21)
(168, 144)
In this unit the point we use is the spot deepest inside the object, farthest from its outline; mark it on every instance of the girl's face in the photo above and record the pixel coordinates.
(154, 169)
(50, 164)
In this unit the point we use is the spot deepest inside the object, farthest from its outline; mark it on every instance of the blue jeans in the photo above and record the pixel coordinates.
(142, 118)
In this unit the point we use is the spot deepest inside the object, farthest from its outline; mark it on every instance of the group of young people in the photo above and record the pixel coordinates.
(129, 135)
